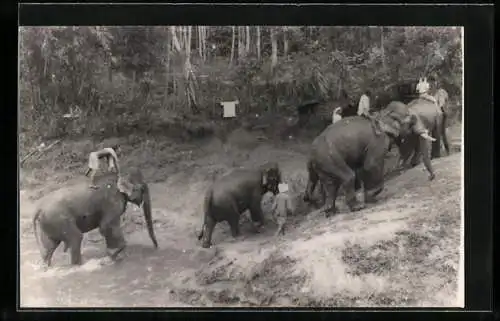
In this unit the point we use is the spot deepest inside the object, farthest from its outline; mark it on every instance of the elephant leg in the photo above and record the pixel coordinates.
(330, 188)
(49, 245)
(322, 194)
(115, 241)
(373, 183)
(334, 189)
(255, 209)
(73, 238)
(311, 185)
(333, 171)
(208, 229)
(406, 150)
(234, 224)
(444, 136)
(436, 145)
(311, 182)
(416, 153)
(349, 185)
(357, 182)
(426, 157)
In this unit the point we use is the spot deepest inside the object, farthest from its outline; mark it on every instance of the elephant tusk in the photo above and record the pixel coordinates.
(427, 137)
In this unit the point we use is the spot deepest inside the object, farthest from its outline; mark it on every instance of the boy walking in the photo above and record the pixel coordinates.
(282, 207)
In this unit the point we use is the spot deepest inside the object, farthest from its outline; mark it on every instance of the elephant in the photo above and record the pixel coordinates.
(64, 215)
(353, 147)
(233, 193)
(433, 117)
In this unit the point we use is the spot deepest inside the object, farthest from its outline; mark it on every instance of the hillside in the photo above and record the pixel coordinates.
(402, 251)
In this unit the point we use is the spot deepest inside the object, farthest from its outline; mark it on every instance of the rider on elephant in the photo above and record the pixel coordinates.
(423, 88)
(364, 110)
(110, 153)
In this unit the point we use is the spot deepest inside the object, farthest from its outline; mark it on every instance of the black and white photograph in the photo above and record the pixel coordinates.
(241, 166)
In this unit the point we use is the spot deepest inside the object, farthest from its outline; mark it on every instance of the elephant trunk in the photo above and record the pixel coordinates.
(146, 207)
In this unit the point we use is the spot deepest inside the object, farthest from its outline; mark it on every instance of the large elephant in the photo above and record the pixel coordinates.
(235, 192)
(64, 215)
(352, 148)
(433, 117)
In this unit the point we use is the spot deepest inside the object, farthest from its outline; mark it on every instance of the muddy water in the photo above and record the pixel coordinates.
(140, 279)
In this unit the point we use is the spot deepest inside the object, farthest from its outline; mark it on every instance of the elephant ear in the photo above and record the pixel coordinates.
(416, 124)
(392, 128)
(125, 186)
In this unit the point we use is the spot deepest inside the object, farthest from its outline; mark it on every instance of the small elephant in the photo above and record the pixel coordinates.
(233, 193)
(64, 215)
(355, 148)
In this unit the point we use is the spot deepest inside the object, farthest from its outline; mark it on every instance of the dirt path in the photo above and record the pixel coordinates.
(320, 261)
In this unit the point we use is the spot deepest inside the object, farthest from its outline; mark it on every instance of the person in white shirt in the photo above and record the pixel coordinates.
(364, 110)
(110, 154)
(336, 115)
(423, 88)
(364, 104)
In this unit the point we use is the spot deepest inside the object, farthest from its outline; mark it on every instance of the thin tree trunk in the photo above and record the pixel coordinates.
(240, 43)
(167, 70)
(175, 41)
(247, 47)
(190, 90)
(258, 42)
(206, 51)
(274, 45)
(200, 49)
(232, 45)
(285, 44)
(382, 46)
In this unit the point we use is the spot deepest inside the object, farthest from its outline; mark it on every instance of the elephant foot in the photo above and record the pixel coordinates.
(370, 199)
(115, 255)
(356, 207)
(432, 176)
(329, 210)
(206, 245)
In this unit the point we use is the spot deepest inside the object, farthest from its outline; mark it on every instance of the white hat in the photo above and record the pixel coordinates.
(283, 187)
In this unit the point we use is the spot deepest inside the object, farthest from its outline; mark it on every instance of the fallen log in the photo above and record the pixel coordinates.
(40, 150)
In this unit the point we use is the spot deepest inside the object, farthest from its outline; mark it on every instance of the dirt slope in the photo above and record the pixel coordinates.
(402, 251)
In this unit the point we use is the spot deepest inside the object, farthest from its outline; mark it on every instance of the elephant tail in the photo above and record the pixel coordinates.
(36, 220)
(311, 170)
(207, 205)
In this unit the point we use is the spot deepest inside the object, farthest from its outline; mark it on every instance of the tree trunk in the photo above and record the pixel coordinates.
(232, 45)
(285, 44)
(258, 42)
(382, 46)
(175, 41)
(190, 88)
(247, 47)
(167, 70)
(274, 45)
(205, 36)
(200, 48)
(240, 43)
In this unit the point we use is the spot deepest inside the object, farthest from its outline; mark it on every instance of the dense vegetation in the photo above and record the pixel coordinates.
(140, 79)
